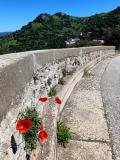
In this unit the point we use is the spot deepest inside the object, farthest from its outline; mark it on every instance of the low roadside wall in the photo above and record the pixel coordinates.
(18, 88)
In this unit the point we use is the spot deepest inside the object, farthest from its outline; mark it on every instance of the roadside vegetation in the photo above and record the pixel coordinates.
(63, 134)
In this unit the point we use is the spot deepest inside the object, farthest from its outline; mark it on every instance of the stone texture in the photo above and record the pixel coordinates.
(77, 150)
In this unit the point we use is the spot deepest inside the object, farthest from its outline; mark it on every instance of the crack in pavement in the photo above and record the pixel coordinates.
(90, 140)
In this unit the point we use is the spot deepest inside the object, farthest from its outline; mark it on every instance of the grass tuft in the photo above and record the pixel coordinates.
(63, 134)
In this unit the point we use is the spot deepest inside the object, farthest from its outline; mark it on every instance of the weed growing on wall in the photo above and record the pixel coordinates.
(61, 81)
(64, 72)
(52, 92)
(29, 125)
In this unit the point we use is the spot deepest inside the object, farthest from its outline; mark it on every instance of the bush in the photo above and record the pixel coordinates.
(52, 92)
(63, 134)
(85, 43)
(3, 49)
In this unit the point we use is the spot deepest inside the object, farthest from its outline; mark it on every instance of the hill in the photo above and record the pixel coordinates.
(51, 31)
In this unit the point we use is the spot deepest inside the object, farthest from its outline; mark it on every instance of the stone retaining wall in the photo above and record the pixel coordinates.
(19, 90)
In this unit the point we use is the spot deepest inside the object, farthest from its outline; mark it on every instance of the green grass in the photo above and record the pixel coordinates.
(31, 137)
(61, 81)
(52, 92)
(63, 134)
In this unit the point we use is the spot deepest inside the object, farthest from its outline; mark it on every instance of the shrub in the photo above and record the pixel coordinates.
(63, 134)
(84, 43)
(52, 92)
(61, 81)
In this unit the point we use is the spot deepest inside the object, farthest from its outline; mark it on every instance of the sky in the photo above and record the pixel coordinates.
(16, 13)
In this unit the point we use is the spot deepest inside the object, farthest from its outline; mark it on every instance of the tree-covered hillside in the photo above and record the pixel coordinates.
(51, 31)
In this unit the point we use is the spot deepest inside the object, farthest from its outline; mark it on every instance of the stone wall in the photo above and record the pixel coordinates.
(19, 89)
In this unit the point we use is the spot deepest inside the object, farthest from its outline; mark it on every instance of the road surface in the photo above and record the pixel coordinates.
(110, 89)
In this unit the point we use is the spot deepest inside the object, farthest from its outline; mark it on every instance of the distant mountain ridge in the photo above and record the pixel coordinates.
(50, 31)
(4, 33)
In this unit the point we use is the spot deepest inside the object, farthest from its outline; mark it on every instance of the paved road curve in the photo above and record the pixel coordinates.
(110, 87)
(84, 114)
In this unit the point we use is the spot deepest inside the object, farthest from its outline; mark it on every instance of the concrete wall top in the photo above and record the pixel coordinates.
(46, 56)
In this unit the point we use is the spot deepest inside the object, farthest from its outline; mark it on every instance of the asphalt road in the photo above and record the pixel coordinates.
(110, 88)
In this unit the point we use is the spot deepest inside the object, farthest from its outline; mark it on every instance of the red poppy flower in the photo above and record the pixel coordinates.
(43, 99)
(43, 135)
(57, 100)
(23, 125)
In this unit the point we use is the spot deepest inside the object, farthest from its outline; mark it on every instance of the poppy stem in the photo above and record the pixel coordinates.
(40, 142)
(20, 143)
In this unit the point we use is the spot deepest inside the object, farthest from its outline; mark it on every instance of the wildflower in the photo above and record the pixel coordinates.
(57, 100)
(23, 125)
(43, 135)
(43, 99)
